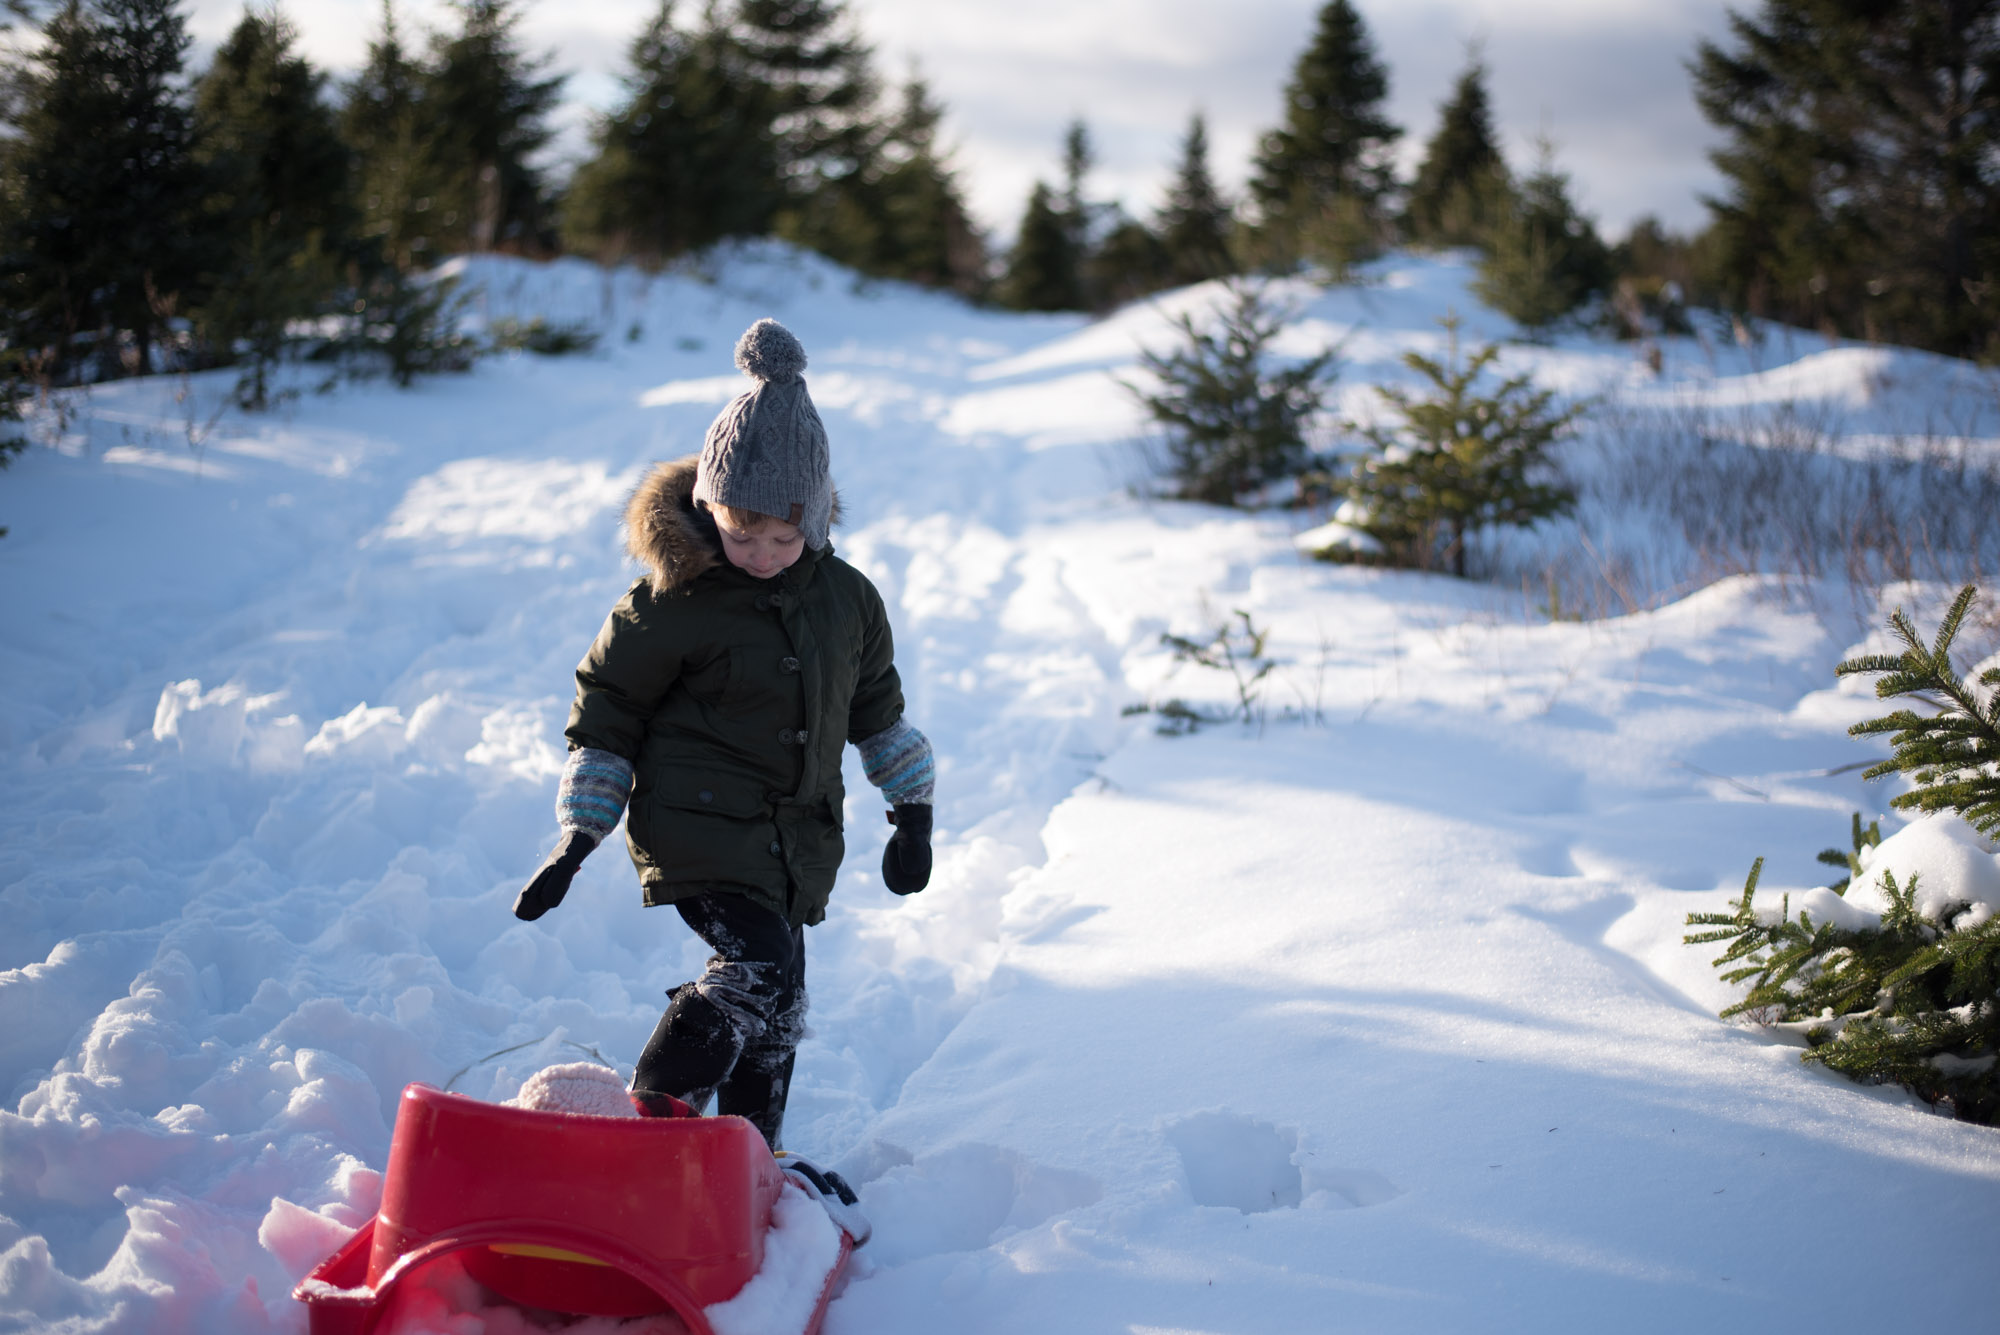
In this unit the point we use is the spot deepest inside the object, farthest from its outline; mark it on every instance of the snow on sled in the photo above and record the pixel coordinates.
(688, 1220)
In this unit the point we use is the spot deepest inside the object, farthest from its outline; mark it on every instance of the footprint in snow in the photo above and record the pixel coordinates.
(1252, 1166)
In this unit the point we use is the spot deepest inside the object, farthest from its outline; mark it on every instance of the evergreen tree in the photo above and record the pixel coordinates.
(1087, 222)
(1129, 263)
(388, 133)
(100, 234)
(900, 215)
(280, 172)
(1050, 267)
(1461, 186)
(1194, 224)
(489, 105)
(689, 158)
(1187, 243)
(411, 322)
(1650, 252)
(1043, 272)
(1860, 194)
(1078, 158)
(1233, 425)
(1544, 259)
(1910, 999)
(817, 72)
(1658, 279)
(1319, 179)
(933, 238)
(408, 320)
(1457, 461)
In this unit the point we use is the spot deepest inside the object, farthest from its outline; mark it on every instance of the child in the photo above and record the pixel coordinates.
(720, 693)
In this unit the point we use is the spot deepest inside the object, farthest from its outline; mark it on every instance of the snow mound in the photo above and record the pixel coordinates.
(800, 1251)
(582, 1088)
(1335, 536)
(1950, 862)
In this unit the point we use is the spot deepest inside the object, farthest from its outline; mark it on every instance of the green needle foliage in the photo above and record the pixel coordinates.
(411, 324)
(280, 173)
(1914, 1001)
(1850, 862)
(1953, 756)
(1320, 179)
(1543, 257)
(1233, 425)
(1462, 187)
(1458, 461)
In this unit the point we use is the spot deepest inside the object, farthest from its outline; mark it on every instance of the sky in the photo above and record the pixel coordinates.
(1605, 80)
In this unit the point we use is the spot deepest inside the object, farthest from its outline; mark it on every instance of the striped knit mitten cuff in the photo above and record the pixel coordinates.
(592, 794)
(898, 761)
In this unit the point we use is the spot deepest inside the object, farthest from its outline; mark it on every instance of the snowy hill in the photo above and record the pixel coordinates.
(1373, 1016)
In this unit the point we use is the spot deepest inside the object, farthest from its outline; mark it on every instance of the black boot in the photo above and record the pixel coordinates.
(756, 1090)
(692, 1051)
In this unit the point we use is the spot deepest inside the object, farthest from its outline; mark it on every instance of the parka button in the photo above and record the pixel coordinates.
(788, 665)
(775, 849)
(706, 795)
(763, 603)
(801, 735)
(787, 737)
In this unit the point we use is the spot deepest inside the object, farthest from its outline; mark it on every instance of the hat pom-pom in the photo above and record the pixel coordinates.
(768, 351)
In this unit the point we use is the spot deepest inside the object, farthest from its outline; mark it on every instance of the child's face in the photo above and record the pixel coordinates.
(763, 550)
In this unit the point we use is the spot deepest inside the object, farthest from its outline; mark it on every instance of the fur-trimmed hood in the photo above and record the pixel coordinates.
(665, 531)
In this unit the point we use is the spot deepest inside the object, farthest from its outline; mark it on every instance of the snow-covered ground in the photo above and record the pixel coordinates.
(1370, 1016)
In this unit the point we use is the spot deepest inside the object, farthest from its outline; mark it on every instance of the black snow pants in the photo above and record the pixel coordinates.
(733, 1032)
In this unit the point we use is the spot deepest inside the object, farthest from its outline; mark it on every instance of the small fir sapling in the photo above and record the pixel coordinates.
(1233, 424)
(1914, 1001)
(411, 322)
(1457, 461)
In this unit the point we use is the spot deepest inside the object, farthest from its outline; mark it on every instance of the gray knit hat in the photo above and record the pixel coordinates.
(767, 450)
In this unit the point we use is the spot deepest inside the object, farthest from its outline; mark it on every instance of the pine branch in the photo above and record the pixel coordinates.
(1953, 755)
(1914, 1000)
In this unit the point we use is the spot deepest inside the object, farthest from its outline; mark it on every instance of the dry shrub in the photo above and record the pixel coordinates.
(1672, 499)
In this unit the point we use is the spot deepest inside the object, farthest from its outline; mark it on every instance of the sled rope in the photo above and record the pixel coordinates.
(585, 1049)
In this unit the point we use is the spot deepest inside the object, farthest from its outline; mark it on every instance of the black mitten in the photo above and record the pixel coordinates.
(906, 862)
(550, 883)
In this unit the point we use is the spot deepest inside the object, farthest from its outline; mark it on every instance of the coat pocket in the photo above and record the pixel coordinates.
(689, 789)
(724, 683)
(710, 680)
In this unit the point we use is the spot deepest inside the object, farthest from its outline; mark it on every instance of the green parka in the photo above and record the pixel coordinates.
(733, 698)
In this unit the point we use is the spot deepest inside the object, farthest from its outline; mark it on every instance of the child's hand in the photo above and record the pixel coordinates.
(906, 862)
(548, 886)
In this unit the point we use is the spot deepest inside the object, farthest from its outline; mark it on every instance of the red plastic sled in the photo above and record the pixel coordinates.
(598, 1216)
